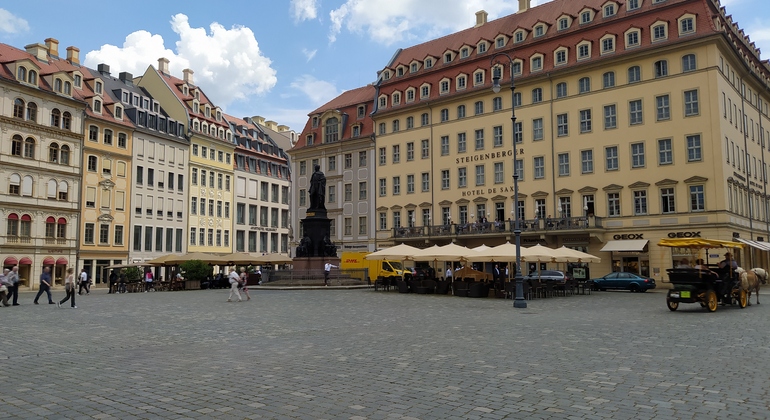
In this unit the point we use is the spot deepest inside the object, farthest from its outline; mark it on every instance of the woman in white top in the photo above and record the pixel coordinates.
(233, 278)
(244, 281)
(69, 287)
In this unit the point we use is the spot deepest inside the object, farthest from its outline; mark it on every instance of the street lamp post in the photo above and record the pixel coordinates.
(518, 301)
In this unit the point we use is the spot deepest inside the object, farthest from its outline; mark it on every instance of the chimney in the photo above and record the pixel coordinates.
(163, 65)
(481, 18)
(188, 76)
(103, 69)
(73, 55)
(38, 50)
(259, 120)
(524, 5)
(126, 78)
(53, 47)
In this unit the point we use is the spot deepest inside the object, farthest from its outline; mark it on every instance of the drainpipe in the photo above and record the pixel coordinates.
(553, 148)
(80, 193)
(747, 162)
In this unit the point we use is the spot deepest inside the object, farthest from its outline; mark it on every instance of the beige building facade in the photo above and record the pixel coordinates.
(634, 122)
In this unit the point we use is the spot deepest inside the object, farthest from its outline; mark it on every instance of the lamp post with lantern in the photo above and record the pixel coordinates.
(518, 301)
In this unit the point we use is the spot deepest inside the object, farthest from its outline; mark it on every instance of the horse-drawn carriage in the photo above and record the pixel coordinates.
(702, 285)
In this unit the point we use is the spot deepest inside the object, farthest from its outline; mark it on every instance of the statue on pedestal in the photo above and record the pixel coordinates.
(317, 189)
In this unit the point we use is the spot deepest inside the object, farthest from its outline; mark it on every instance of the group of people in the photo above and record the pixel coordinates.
(239, 283)
(9, 286)
(727, 265)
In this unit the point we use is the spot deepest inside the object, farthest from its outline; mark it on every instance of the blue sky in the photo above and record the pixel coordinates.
(278, 59)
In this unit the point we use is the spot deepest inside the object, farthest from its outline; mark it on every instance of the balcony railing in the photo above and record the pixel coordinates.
(498, 228)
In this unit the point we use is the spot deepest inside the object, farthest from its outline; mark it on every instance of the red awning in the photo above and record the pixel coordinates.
(61, 261)
(26, 218)
(25, 261)
(49, 261)
(10, 261)
(50, 219)
(62, 221)
(13, 216)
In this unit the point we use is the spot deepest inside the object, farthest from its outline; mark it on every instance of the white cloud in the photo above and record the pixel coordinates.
(318, 91)
(221, 54)
(12, 24)
(391, 21)
(309, 54)
(303, 10)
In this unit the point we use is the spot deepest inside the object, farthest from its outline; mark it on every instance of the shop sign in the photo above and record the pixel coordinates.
(628, 236)
(575, 239)
(673, 235)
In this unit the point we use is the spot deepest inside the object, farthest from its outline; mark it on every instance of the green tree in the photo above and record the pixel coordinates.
(133, 274)
(195, 270)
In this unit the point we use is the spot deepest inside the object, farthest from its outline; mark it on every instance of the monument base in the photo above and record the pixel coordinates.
(313, 263)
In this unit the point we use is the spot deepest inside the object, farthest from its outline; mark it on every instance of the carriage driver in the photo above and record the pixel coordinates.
(728, 265)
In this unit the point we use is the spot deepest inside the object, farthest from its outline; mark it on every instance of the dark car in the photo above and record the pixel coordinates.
(549, 275)
(624, 281)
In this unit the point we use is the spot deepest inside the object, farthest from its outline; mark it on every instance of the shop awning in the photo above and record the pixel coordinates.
(762, 246)
(629, 245)
(61, 261)
(10, 261)
(25, 261)
(49, 261)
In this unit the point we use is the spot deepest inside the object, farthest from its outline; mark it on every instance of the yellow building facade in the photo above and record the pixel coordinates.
(634, 122)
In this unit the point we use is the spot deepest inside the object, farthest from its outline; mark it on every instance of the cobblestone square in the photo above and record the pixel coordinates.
(360, 354)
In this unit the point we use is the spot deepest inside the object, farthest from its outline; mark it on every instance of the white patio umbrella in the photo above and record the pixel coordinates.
(565, 254)
(400, 252)
(480, 248)
(537, 253)
(449, 252)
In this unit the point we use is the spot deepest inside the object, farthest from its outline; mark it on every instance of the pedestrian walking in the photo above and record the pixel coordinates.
(69, 287)
(4, 285)
(45, 286)
(233, 278)
(84, 282)
(13, 290)
(327, 269)
(113, 281)
(244, 282)
(148, 278)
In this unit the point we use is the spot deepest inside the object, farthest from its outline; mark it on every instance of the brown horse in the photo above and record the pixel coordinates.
(750, 281)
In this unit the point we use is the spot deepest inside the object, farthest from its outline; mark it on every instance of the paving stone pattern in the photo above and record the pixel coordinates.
(360, 354)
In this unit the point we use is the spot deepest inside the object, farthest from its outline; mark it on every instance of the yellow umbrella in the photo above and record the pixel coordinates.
(160, 261)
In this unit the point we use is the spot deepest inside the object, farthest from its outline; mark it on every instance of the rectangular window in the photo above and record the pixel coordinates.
(462, 143)
(498, 172)
(410, 151)
(587, 161)
(611, 158)
(563, 164)
(667, 203)
(694, 152)
(635, 112)
(148, 238)
(445, 179)
(518, 168)
(383, 187)
(537, 129)
(118, 235)
(585, 121)
(479, 139)
(362, 225)
(497, 135)
(444, 145)
(396, 185)
(383, 157)
(697, 198)
(637, 155)
(462, 177)
(425, 177)
(665, 152)
(691, 103)
(640, 202)
(138, 238)
(613, 204)
(396, 153)
(517, 134)
(480, 179)
(539, 165)
(662, 107)
(562, 128)
(410, 184)
(348, 158)
(348, 188)
(610, 117)
(362, 190)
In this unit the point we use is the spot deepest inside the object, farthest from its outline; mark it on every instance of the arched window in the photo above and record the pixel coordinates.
(561, 89)
(634, 74)
(63, 191)
(26, 186)
(52, 185)
(16, 142)
(50, 227)
(108, 136)
(21, 74)
(66, 121)
(32, 78)
(332, 130)
(57, 85)
(64, 155)
(53, 153)
(661, 68)
(61, 228)
(688, 63)
(14, 184)
(32, 112)
(12, 227)
(67, 88)
(584, 85)
(29, 148)
(55, 118)
(18, 108)
(25, 227)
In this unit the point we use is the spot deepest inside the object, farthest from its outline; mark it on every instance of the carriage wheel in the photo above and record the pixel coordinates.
(711, 301)
(743, 299)
(672, 305)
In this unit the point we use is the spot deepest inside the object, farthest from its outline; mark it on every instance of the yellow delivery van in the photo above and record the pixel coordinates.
(355, 265)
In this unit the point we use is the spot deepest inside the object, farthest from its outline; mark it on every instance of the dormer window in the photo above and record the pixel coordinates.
(196, 108)
(539, 30)
(584, 50)
(197, 94)
(396, 98)
(119, 112)
(686, 24)
(482, 47)
(478, 77)
(563, 23)
(448, 57)
(97, 106)
(465, 52)
(410, 95)
(57, 85)
(383, 101)
(608, 44)
(386, 74)
(560, 56)
(219, 115)
(414, 67)
(659, 32)
(444, 86)
(208, 112)
(536, 63)
(609, 10)
(98, 87)
(516, 67)
(632, 37)
(428, 63)
(424, 91)
(32, 77)
(462, 82)
(632, 4)
(399, 71)
(185, 90)
(500, 42)
(78, 81)
(21, 74)
(361, 111)
(518, 36)
(585, 17)
(315, 122)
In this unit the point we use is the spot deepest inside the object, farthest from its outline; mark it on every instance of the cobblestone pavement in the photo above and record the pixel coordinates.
(360, 354)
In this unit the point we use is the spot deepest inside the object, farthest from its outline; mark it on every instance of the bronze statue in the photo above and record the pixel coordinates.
(317, 189)
(305, 247)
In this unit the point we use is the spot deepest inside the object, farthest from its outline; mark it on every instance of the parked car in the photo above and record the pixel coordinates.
(624, 281)
(549, 275)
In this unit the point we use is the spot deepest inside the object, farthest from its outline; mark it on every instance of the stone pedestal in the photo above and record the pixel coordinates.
(316, 242)
(313, 263)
